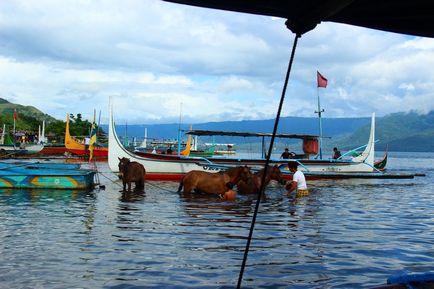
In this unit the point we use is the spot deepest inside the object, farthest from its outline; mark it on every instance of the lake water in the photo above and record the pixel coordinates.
(345, 234)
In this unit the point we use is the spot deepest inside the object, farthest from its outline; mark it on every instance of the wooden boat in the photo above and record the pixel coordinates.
(22, 149)
(47, 176)
(8, 147)
(173, 167)
(77, 148)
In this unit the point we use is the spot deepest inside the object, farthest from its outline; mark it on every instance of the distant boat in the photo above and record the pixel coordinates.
(205, 153)
(77, 148)
(9, 147)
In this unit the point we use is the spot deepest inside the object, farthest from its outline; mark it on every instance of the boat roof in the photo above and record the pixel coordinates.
(200, 132)
(415, 17)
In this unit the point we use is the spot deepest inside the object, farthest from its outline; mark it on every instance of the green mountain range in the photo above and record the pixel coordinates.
(398, 132)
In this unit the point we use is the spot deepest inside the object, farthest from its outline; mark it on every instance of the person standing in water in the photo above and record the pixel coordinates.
(298, 182)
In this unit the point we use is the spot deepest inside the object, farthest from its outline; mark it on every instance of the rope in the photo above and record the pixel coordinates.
(261, 191)
(160, 188)
(112, 181)
(147, 182)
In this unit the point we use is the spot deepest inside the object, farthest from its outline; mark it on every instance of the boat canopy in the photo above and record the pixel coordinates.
(414, 17)
(248, 134)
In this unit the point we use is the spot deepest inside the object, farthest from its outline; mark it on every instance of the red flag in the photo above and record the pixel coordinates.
(15, 114)
(322, 81)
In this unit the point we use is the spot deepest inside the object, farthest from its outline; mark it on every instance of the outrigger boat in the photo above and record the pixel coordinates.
(77, 148)
(173, 167)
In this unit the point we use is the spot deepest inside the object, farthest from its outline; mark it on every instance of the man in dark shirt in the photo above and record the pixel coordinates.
(285, 154)
(336, 153)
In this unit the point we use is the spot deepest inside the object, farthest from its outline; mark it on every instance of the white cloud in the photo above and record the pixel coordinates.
(158, 58)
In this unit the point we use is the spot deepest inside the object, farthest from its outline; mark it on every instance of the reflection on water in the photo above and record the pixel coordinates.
(345, 234)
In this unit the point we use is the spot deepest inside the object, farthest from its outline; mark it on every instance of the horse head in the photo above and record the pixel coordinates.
(244, 173)
(238, 173)
(276, 174)
(123, 165)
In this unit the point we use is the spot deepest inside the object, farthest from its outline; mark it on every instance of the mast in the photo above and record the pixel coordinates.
(179, 130)
(319, 111)
(2, 139)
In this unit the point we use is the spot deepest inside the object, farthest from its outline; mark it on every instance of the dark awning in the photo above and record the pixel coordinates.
(200, 132)
(415, 17)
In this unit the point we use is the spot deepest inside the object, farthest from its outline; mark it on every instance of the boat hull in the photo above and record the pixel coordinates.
(103, 152)
(53, 150)
(169, 167)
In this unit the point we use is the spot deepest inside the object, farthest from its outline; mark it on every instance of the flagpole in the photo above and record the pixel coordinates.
(320, 125)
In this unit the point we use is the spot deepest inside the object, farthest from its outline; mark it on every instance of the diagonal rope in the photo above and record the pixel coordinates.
(261, 190)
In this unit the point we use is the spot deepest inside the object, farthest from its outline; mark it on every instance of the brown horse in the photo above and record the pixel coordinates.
(213, 183)
(253, 184)
(131, 172)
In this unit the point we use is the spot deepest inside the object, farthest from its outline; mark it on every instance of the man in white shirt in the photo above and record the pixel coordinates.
(298, 182)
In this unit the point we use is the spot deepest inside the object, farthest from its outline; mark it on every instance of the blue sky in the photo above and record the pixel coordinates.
(160, 60)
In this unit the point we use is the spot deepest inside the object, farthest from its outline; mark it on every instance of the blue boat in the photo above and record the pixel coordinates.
(59, 166)
(45, 176)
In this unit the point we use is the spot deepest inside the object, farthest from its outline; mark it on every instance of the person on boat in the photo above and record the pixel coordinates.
(286, 154)
(298, 182)
(169, 151)
(336, 153)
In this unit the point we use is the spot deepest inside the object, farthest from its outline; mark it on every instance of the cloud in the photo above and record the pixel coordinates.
(161, 60)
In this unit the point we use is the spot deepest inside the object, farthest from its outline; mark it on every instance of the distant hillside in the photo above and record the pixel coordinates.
(28, 117)
(7, 109)
(399, 131)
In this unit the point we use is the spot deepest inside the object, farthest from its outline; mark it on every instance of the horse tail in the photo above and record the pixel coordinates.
(181, 184)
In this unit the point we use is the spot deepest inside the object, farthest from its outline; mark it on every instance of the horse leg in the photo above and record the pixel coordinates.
(187, 188)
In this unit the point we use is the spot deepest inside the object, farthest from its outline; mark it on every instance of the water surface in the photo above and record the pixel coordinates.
(345, 234)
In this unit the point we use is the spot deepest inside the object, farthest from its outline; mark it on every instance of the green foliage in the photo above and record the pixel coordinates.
(29, 119)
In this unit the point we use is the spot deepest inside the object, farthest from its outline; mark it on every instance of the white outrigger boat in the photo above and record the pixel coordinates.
(173, 167)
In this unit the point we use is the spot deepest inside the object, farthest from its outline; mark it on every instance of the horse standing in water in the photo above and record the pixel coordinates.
(253, 184)
(131, 172)
(213, 183)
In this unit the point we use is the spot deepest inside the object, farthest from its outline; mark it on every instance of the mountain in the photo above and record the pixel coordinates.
(7, 108)
(28, 117)
(399, 132)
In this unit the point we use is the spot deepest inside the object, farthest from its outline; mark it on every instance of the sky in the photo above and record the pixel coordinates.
(163, 62)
